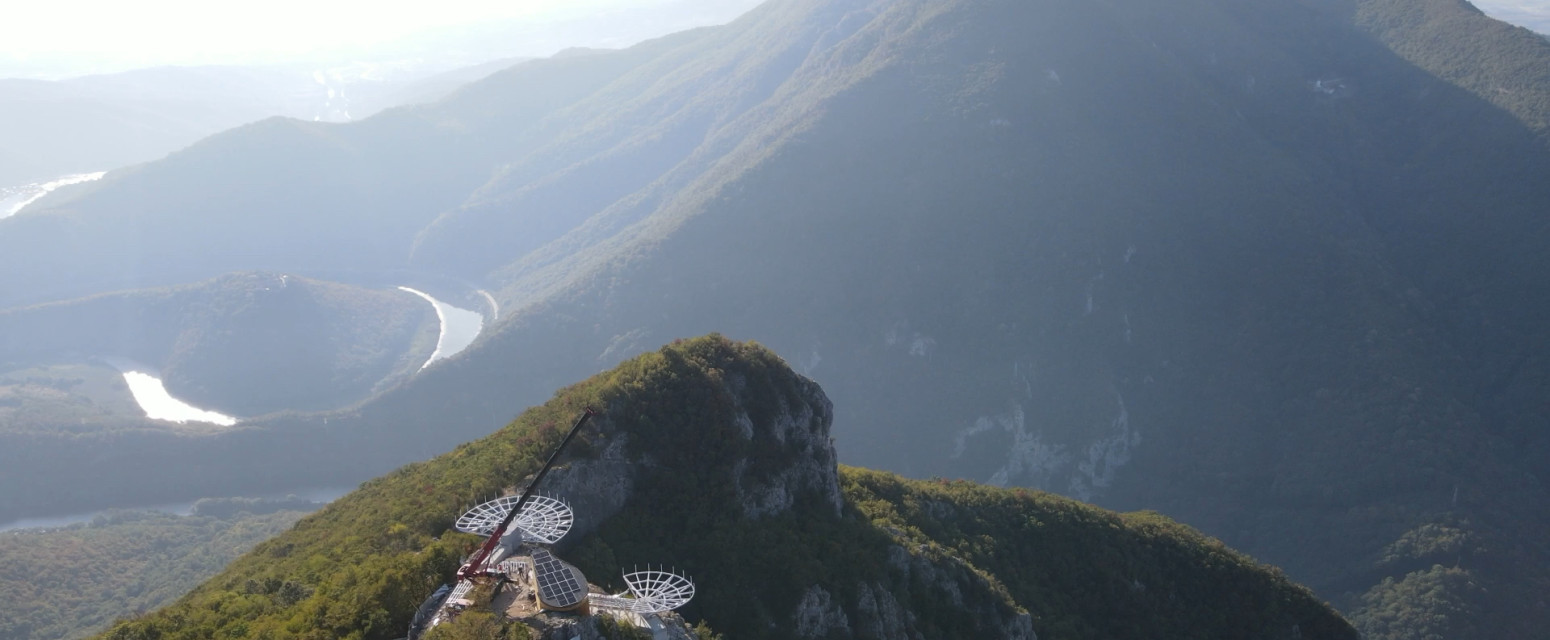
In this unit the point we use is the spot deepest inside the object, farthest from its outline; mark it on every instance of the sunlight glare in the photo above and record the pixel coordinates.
(199, 31)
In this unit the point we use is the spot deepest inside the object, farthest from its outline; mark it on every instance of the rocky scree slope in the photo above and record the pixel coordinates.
(715, 457)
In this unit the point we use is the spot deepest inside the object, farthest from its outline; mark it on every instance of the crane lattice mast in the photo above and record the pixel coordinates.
(475, 565)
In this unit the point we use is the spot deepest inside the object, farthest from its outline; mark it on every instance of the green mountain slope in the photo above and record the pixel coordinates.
(714, 456)
(1494, 60)
(119, 565)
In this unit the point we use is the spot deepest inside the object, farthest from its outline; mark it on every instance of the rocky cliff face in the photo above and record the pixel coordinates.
(791, 455)
(662, 627)
(596, 487)
(800, 428)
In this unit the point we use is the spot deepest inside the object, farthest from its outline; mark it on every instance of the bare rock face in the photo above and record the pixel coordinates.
(818, 615)
(787, 433)
(663, 626)
(801, 429)
(879, 615)
(598, 487)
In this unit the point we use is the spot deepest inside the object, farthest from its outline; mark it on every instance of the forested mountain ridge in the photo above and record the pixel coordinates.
(781, 542)
(114, 120)
(1254, 265)
(1494, 60)
(120, 564)
(104, 122)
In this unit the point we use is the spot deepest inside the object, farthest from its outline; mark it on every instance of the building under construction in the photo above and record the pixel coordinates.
(516, 574)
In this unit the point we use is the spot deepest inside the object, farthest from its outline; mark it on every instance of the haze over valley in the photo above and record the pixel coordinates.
(100, 96)
(1275, 270)
(1530, 14)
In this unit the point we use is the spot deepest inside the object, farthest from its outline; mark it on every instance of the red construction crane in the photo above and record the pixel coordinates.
(475, 565)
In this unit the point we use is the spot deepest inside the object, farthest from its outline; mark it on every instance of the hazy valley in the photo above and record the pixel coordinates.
(1275, 270)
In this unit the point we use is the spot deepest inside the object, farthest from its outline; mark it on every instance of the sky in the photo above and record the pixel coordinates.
(52, 38)
(57, 38)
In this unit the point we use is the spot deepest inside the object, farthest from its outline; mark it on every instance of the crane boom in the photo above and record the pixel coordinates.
(475, 565)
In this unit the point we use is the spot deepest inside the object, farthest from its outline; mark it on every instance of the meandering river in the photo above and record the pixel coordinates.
(12, 199)
(145, 385)
(459, 327)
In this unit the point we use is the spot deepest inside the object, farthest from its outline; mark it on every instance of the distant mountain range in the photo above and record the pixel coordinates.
(108, 120)
(1275, 269)
(102, 122)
